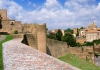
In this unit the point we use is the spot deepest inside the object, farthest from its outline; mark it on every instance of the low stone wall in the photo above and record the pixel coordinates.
(18, 56)
(56, 48)
(18, 35)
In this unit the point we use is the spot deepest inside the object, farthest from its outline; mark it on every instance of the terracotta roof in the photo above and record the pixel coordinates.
(93, 31)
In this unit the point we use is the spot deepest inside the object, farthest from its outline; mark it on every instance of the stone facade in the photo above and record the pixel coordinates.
(92, 35)
(8, 25)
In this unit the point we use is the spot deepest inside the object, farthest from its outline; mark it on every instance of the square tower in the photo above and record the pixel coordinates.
(3, 14)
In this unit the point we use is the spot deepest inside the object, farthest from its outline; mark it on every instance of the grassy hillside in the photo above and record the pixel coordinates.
(79, 63)
(8, 37)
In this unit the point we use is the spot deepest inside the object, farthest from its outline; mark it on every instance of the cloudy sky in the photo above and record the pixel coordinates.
(60, 14)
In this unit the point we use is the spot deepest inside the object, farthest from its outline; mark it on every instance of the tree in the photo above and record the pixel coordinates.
(0, 21)
(51, 36)
(77, 32)
(70, 39)
(59, 35)
(69, 30)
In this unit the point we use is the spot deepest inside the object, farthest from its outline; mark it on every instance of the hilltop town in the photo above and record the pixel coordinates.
(37, 37)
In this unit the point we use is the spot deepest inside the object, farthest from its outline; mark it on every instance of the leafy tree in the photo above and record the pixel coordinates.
(77, 32)
(69, 38)
(51, 36)
(82, 28)
(59, 35)
(69, 30)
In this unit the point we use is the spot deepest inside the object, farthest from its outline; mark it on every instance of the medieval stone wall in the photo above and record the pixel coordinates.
(10, 26)
(3, 14)
(57, 48)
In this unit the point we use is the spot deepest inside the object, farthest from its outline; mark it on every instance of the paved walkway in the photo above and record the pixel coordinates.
(17, 56)
(97, 61)
(2, 37)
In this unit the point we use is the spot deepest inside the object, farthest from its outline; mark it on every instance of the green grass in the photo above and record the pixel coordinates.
(79, 63)
(8, 37)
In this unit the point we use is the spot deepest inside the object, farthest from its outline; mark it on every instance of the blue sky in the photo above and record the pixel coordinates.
(57, 14)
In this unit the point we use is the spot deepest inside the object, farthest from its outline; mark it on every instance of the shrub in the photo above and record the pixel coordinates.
(15, 32)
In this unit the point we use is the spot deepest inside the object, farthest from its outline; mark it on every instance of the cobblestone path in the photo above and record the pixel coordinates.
(17, 56)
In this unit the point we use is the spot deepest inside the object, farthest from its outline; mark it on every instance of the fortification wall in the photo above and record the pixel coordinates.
(57, 48)
(84, 53)
(41, 37)
(3, 14)
(10, 26)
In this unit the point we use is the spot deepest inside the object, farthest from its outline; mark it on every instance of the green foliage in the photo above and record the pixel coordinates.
(78, 44)
(15, 32)
(77, 32)
(69, 38)
(69, 30)
(82, 28)
(59, 35)
(96, 41)
(8, 37)
(51, 36)
(79, 63)
(89, 44)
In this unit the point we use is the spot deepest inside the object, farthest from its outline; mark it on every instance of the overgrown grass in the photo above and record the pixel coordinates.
(79, 63)
(8, 37)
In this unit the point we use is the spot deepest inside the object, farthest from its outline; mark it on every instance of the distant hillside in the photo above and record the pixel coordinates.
(79, 63)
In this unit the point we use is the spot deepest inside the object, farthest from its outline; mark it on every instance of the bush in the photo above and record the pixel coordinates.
(15, 32)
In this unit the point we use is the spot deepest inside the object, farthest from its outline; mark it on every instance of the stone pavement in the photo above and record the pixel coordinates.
(97, 61)
(2, 37)
(18, 56)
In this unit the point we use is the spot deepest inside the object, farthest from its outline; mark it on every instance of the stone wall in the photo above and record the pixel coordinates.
(10, 26)
(83, 52)
(56, 48)
(3, 14)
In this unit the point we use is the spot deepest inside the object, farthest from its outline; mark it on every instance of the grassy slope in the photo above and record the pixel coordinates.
(79, 63)
(8, 37)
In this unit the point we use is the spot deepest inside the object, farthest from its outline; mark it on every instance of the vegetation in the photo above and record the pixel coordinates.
(51, 36)
(77, 32)
(15, 32)
(70, 39)
(69, 30)
(0, 22)
(79, 63)
(8, 37)
(59, 35)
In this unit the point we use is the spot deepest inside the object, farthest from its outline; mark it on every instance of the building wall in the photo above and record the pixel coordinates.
(92, 36)
(8, 27)
(3, 14)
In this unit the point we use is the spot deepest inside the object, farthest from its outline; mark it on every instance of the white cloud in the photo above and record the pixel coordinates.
(75, 13)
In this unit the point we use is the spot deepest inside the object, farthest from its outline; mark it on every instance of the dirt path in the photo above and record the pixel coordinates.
(2, 37)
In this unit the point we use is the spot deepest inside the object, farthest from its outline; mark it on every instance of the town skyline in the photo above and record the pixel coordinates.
(57, 14)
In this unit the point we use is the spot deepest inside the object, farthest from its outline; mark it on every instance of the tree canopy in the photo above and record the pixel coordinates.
(69, 30)
(59, 35)
(69, 38)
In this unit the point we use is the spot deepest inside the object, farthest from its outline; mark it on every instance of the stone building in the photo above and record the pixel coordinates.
(8, 25)
(92, 35)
